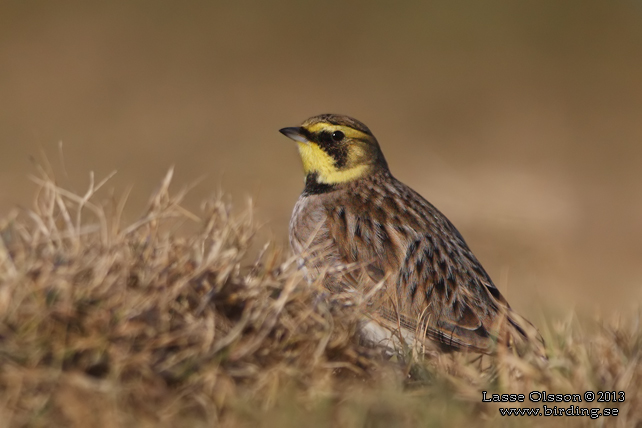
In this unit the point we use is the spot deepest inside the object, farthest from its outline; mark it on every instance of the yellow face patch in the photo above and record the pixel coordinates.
(315, 160)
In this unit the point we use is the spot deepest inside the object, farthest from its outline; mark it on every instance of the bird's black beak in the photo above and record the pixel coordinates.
(296, 133)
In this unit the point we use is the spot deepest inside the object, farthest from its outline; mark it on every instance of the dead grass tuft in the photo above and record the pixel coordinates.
(105, 324)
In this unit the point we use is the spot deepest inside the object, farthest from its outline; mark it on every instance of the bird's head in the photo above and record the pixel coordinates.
(336, 149)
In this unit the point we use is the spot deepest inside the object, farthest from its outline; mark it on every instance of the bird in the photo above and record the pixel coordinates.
(356, 228)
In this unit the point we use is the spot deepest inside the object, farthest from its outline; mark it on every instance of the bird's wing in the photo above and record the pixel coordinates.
(434, 285)
(442, 289)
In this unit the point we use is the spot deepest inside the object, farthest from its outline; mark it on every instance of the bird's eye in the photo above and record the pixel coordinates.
(338, 136)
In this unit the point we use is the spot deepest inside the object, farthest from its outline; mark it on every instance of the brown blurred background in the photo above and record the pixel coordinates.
(521, 121)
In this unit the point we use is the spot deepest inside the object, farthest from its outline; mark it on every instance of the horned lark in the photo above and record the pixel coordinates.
(427, 287)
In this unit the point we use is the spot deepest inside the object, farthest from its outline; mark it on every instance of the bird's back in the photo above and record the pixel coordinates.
(384, 232)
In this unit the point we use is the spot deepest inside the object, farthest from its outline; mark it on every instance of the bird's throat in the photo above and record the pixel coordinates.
(323, 166)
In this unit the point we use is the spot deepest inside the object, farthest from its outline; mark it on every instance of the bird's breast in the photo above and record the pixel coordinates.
(307, 221)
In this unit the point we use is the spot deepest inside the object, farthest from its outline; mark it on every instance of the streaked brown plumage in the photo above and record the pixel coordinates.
(354, 214)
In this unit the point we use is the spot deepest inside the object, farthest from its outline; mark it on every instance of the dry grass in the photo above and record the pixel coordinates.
(104, 324)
